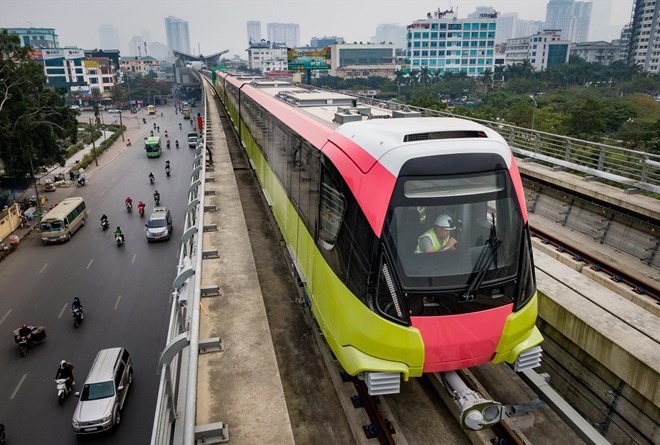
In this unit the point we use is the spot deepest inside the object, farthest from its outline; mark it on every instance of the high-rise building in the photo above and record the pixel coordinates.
(136, 47)
(286, 33)
(601, 18)
(570, 17)
(505, 26)
(178, 38)
(36, 37)
(322, 42)
(391, 33)
(158, 50)
(644, 44)
(108, 37)
(442, 42)
(253, 31)
(542, 50)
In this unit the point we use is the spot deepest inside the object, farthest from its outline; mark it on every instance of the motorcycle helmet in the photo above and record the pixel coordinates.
(62, 363)
(24, 326)
(76, 299)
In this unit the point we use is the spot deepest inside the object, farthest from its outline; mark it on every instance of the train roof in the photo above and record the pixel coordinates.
(380, 132)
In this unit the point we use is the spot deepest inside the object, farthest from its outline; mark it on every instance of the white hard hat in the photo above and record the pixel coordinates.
(445, 222)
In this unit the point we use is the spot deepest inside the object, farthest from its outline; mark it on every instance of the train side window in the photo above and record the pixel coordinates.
(331, 209)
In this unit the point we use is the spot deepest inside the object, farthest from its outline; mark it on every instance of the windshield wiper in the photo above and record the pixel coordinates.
(485, 260)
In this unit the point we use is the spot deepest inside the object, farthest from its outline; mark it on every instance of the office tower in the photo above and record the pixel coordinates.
(136, 47)
(391, 33)
(644, 49)
(178, 38)
(570, 17)
(253, 31)
(601, 14)
(505, 27)
(444, 43)
(288, 33)
(109, 37)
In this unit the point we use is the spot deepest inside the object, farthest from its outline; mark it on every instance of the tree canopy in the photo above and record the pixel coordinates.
(34, 121)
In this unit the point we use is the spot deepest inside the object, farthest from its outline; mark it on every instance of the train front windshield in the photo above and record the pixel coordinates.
(455, 240)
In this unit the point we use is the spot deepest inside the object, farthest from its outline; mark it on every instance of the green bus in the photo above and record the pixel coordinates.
(152, 146)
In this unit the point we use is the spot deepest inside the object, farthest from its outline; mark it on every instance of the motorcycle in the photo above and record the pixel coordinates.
(151, 179)
(105, 224)
(176, 143)
(81, 181)
(25, 343)
(78, 316)
(63, 389)
(167, 144)
(141, 210)
(167, 171)
(129, 207)
(157, 199)
(119, 239)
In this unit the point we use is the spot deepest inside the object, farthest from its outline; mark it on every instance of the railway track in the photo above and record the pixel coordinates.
(581, 253)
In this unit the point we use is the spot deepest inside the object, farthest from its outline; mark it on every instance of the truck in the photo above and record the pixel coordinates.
(186, 112)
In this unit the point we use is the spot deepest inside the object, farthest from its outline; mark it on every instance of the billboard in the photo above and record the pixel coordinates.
(308, 59)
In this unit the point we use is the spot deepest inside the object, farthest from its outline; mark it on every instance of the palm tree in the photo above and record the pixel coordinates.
(399, 78)
(499, 74)
(486, 79)
(424, 75)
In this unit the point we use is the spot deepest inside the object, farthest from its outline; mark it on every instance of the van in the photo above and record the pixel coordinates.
(159, 226)
(104, 393)
(192, 139)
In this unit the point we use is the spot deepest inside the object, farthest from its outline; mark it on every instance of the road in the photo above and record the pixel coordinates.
(125, 292)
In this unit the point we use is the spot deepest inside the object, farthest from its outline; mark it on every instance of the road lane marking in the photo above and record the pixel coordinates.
(18, 387)
(43, 268)
(90, 263)
(101, 194)
(134, 256)
(6, 315)
(62, 311)
(117, 303)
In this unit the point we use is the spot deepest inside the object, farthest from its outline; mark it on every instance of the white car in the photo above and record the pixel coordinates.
(113, 111)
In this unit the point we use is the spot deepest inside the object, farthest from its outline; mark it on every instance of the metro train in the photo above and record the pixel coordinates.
(355, 189)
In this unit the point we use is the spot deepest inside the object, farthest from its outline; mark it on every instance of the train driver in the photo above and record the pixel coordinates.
(438, 238)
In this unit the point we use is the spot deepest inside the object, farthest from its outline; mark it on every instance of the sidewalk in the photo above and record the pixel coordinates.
(134, 130)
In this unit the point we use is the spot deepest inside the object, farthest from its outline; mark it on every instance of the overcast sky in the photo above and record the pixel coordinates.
(217, 25)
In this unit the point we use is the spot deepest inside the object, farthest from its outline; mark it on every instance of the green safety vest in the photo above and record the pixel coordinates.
(437, 244)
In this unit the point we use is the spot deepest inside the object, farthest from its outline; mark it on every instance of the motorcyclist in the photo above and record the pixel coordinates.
(156, 196)
(176, 143)
(144, 120)
(141, 207)
(128, 143)
(77, 304)
(104, 217)
(154, 125)
(25, 330)
(165, 133)
(151, 177)
(119, 234)
(168, 143)
(128, 202)
(65, 371)
(179, 125)
(167, 167)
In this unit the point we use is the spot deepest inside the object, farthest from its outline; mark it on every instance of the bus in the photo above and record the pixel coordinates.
(152, 146)
(60, 223)
(151, 109)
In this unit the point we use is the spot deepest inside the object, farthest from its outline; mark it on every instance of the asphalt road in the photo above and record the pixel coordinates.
(125, 292)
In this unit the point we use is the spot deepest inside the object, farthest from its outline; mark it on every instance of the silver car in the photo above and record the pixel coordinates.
(103, 396)
(159, 226)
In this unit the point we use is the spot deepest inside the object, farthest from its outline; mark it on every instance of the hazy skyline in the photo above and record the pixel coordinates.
(222, 25)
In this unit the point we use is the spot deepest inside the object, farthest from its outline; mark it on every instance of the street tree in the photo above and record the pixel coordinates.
(35, 123)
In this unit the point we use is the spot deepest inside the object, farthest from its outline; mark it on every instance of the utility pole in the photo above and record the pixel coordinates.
(34, 179)
(534, 113)
(121, 125)
(93, 142)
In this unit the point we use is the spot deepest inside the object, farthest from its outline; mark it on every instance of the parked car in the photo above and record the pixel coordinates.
(104, 393)
(114, 111)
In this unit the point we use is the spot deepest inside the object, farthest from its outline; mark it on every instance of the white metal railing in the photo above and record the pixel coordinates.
(174, 420)
(628, 168)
